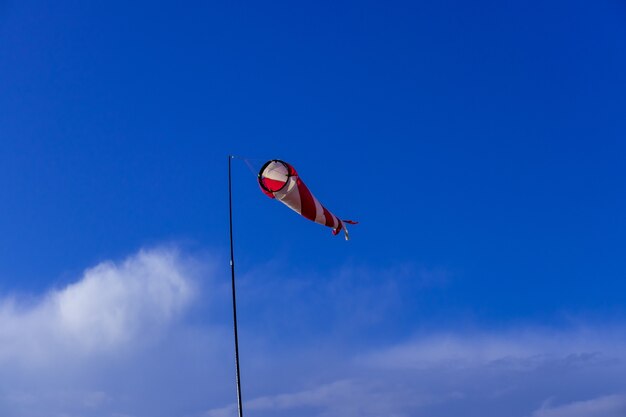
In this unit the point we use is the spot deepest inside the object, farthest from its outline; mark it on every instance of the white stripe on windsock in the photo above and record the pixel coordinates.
(319, 212)
(290, 196)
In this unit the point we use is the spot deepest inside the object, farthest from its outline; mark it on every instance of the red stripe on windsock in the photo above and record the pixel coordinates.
(307, 202)
(330, 221)
(273, 185)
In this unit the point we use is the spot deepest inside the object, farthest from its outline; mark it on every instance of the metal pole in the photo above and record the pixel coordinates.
(232, 270)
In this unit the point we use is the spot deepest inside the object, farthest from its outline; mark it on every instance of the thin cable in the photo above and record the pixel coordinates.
(254, 171)
(248, 161)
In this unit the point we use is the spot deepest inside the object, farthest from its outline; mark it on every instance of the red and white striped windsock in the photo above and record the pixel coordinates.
(280, 180)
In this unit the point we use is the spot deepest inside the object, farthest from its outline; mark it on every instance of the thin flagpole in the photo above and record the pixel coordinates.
(232, 271)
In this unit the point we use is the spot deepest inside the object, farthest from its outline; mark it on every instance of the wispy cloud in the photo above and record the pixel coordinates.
(518, 347)
(357, 300)
(517, 372)
(318, 354)
(605, 406)
(349, 398)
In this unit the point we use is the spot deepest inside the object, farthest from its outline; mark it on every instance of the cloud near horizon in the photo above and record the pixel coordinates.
(518, 373)
(122, 341)
(605, 406)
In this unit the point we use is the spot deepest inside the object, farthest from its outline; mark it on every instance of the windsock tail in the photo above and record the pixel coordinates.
(343, 227)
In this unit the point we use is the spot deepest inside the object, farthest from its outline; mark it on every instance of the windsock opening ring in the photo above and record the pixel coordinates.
(279, 184)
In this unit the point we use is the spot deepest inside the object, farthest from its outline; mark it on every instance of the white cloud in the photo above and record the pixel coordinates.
(316, 353)
(486, 374)
(605, 406)
(346, 398)
(111, 342)
(123, 340)
(111, 307)
(520, 348)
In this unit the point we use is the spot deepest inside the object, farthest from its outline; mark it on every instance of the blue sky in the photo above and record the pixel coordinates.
(480, 145)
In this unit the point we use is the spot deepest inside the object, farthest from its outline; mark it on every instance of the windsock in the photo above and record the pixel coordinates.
(280, 181)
